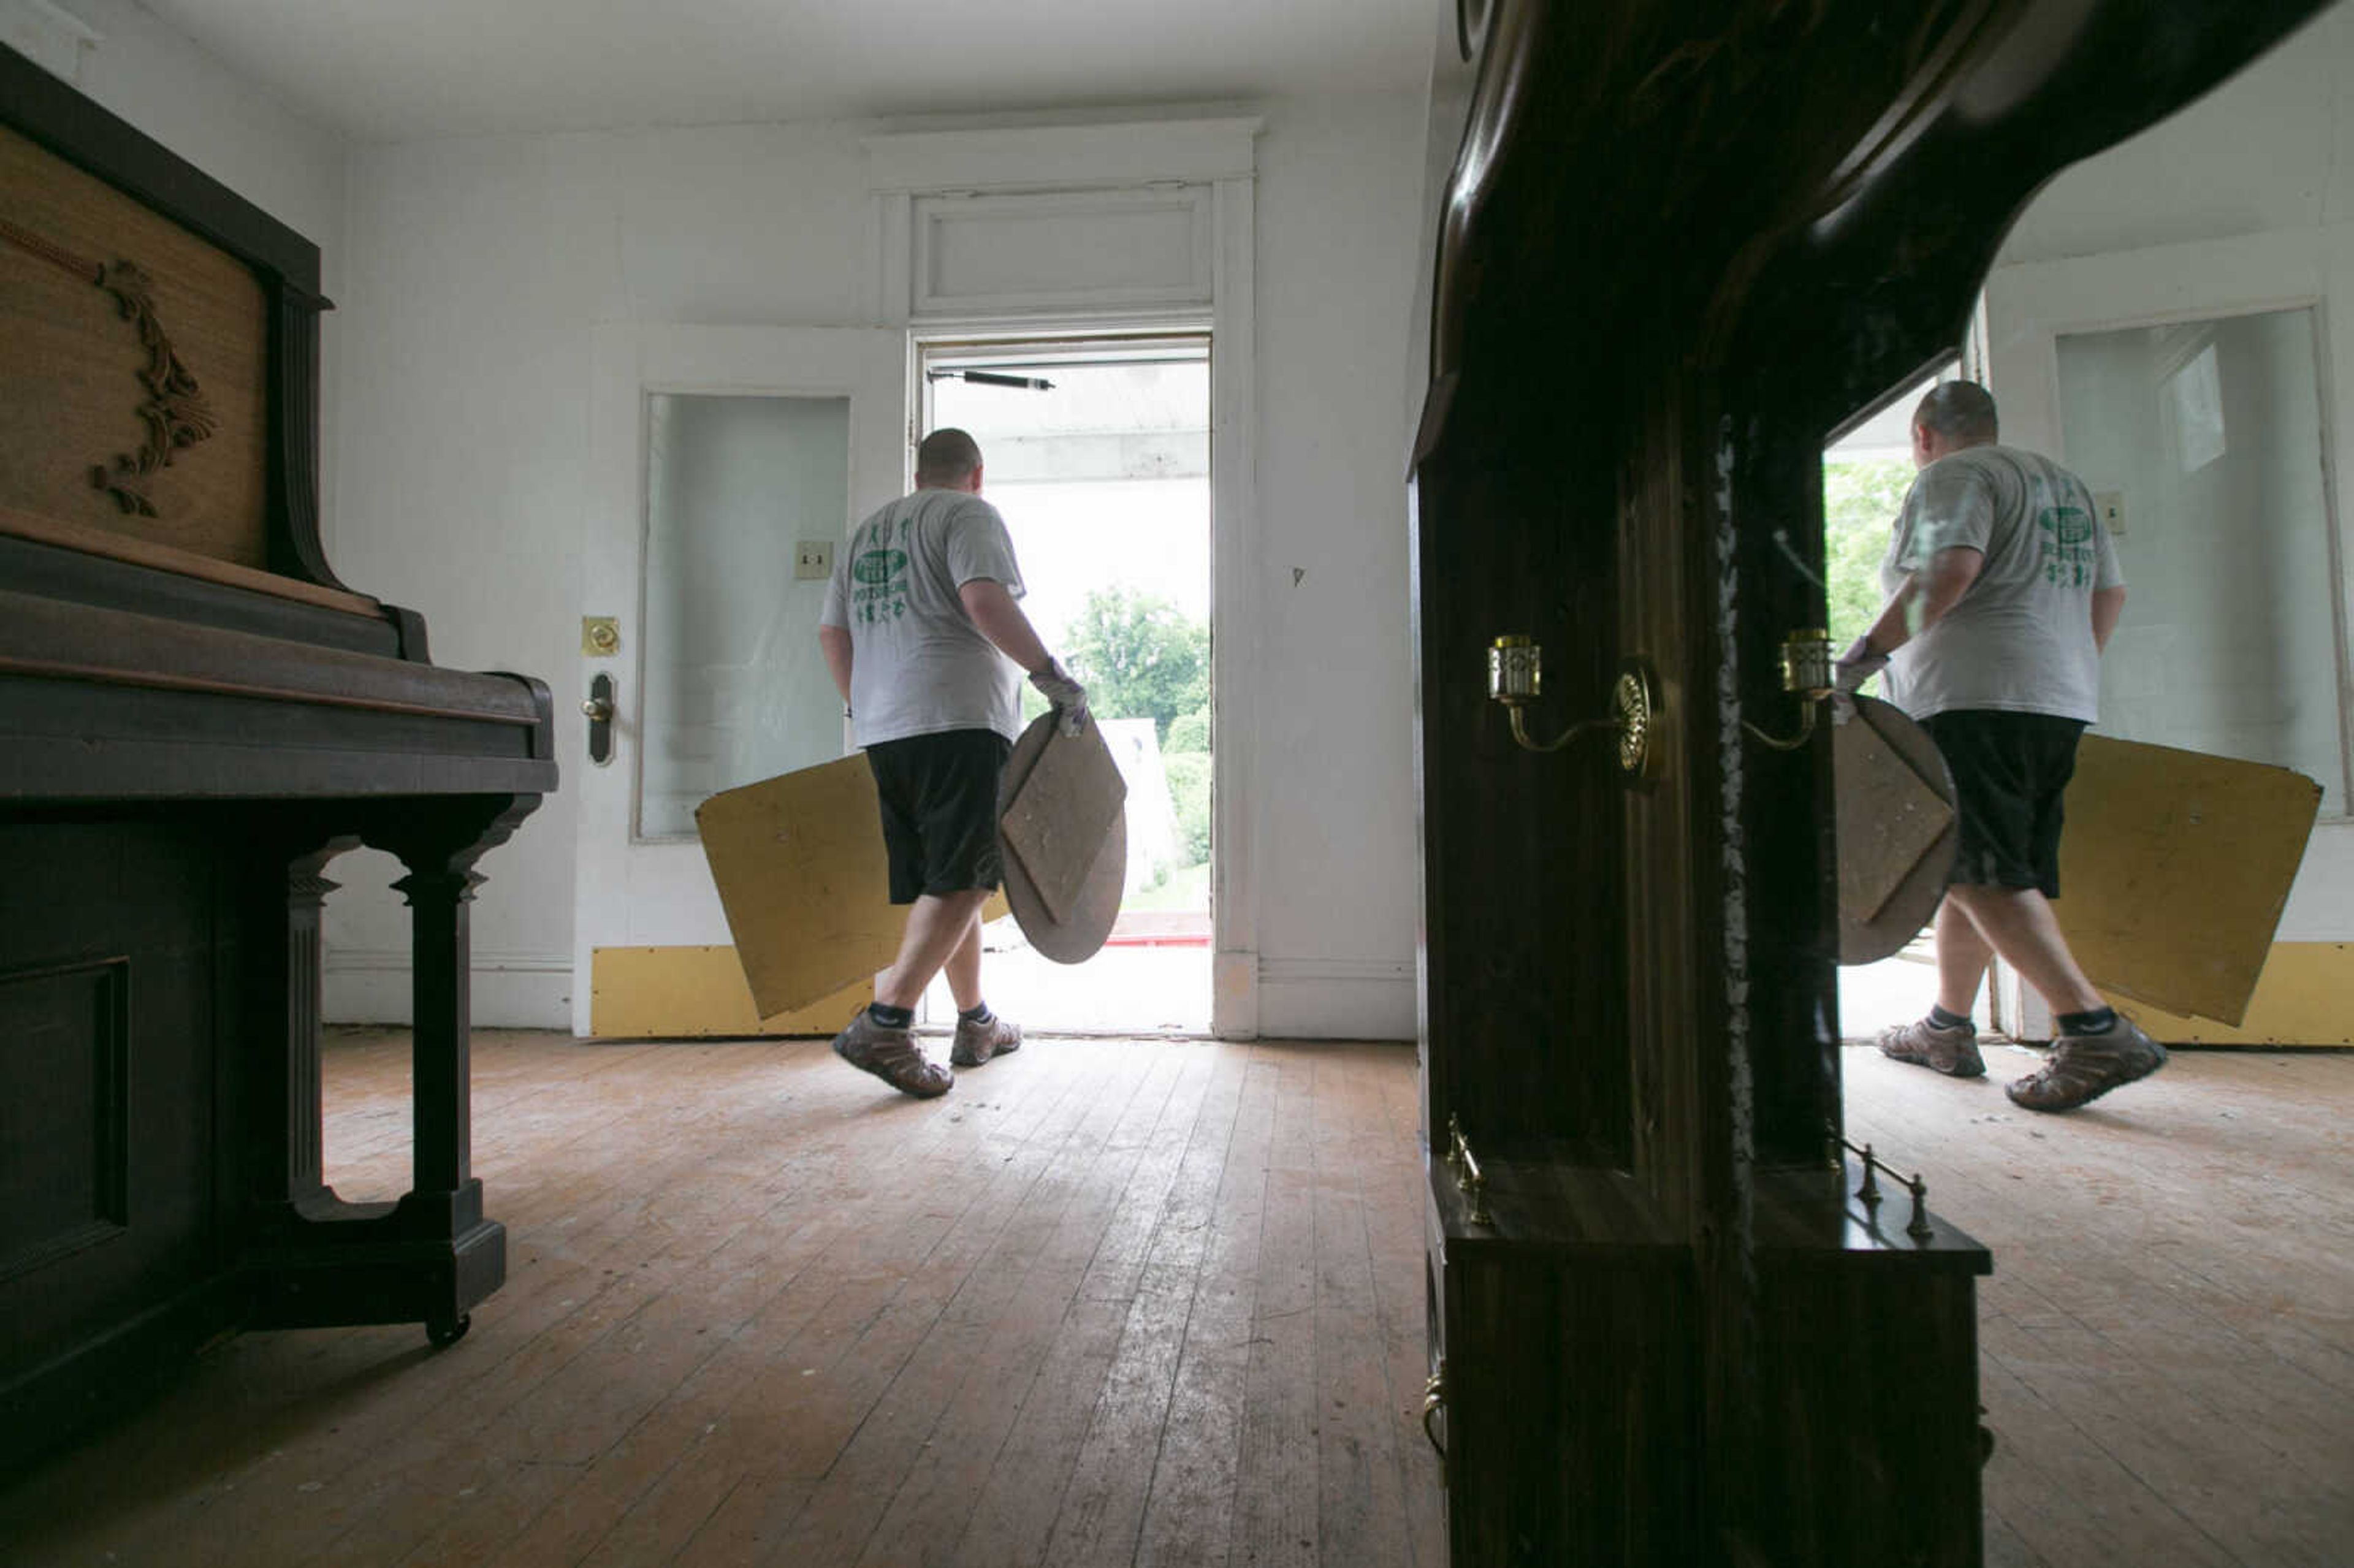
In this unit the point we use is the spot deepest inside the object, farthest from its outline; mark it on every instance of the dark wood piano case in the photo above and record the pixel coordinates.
(1678, 248)
(195, 717)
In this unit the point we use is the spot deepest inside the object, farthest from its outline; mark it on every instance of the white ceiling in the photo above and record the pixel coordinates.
(388, 70)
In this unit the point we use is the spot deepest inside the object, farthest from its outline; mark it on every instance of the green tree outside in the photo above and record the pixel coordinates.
(1859, 505)
(1140, 657)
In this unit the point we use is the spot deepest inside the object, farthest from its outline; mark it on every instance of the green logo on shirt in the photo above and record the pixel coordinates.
(2067, 550)
(876, 567)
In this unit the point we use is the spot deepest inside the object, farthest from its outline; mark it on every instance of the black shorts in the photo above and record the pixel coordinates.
(2009, 773)
(939, 810)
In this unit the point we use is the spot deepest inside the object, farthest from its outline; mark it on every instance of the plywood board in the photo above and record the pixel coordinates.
(1079, 932)
(2174, 867)
(1058, 817)
(802, 875)
(1889, 817)
(696, 993)
(1894, 804)
(2300, 1001)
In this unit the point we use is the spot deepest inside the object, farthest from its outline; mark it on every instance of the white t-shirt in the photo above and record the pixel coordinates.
(2021, 638)
(918, 665)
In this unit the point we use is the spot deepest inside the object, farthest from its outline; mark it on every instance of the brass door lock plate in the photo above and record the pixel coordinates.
(599, 710)
(600, 635)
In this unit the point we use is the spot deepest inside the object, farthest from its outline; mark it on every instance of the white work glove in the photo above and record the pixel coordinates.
(1858, 664)
(1070, 698)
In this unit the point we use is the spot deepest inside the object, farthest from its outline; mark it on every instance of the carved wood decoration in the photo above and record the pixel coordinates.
(176, 411)
(128, 342)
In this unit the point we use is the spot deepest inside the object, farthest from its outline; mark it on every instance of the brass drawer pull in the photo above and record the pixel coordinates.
(1433, 1399)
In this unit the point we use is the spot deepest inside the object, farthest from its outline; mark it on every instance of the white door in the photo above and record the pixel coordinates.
(2186, 384)
(727, 464)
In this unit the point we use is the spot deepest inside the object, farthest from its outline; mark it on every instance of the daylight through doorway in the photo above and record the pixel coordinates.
(1097, 452)
(1866, 474)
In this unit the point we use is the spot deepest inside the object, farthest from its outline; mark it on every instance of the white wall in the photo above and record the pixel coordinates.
(477, 269)
(163, 83)
(2243, 202)
(1338, 219)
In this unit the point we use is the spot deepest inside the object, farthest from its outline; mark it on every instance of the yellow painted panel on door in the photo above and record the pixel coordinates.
(2174, 867)
(663, 993)
(2300, 1001)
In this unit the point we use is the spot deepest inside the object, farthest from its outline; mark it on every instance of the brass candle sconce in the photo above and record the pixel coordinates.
(1807, 674)
(1516, 679)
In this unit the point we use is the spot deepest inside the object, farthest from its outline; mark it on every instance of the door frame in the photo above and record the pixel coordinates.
(919, 179)
(1229, 886)
(627, 892)
(1233, 604)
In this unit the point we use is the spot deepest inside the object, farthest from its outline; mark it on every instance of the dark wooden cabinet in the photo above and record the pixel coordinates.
(1680, 248)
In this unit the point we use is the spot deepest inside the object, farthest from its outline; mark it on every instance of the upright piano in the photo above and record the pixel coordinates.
(196, 717)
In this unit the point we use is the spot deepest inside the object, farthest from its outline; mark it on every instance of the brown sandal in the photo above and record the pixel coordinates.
(977, 1042)
(1952, 1052)
(2083, 1068)
(892, 1055)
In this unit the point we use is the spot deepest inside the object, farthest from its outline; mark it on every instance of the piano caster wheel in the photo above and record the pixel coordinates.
(443, 1333)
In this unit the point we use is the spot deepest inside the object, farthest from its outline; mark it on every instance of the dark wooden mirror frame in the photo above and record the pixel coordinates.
(1685, 244)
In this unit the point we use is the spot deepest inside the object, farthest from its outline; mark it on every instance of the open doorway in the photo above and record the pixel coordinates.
(1866, 473)
(1096, 452)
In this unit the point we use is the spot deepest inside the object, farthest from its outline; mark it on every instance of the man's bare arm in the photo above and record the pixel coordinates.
(835, 642)
(1949, 576)
(1923, 598)
(1002, 621)
(2108, 603)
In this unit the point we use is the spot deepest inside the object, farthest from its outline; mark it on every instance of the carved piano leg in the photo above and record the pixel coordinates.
(439, 886)
(432, 1255)
(288, 1173)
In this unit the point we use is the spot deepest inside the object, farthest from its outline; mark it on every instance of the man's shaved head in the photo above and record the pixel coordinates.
(1961, 413)
(946, 458)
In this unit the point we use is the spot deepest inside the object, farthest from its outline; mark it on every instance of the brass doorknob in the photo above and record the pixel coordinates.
(597, 710)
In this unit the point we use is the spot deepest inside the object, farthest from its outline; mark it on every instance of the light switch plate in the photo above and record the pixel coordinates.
(2111, 506)
(814, 560)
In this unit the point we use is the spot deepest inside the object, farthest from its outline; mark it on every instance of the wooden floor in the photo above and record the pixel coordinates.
(2165, 1348)
(1108, 1302)
(1117, 1302)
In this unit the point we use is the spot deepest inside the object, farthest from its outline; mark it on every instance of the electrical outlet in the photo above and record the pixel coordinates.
(2110, 505)
(814, 560)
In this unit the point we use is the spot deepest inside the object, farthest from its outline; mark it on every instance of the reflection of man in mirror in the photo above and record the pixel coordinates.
(2002, 588)
(923, 637)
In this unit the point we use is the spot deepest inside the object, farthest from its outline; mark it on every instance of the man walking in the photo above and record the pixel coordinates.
(2002, 589)
(923, 637)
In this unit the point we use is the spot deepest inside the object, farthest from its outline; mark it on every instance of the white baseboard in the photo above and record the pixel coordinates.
(510, 991)
(1336, 998)
(1298, 999)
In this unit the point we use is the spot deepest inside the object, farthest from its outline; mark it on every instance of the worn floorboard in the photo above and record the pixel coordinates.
(2166, 1343)
(1157, 1302)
